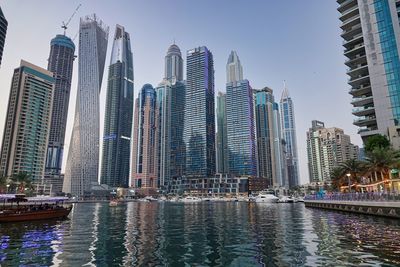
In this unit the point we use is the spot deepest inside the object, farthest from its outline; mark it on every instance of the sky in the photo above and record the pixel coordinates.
(276, 40)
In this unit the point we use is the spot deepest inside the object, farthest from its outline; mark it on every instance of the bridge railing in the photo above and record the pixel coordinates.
(375, 196)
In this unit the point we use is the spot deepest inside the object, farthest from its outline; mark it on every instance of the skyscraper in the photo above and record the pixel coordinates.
(3, 31)
(289, 135)
(145, 142)
(119, 113)
(270, 147)
(27, 126)
(173, 64)
(239, 121)
(199, 120)
(371, 33)
(222, 139)
(170, 109)
(326, 149)
(83, 158)
(61, 62)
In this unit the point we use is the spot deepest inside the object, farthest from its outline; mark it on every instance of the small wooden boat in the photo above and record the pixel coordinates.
(43, 208)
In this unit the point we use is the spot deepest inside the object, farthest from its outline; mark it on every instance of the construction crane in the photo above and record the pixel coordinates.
(65, 25)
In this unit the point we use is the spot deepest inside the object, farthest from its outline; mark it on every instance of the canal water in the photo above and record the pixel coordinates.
(202, 234)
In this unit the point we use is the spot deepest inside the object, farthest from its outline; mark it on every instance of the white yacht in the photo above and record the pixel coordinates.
(190, 199)
(266, 197)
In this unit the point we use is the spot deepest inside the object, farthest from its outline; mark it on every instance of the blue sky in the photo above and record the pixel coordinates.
(276, 40)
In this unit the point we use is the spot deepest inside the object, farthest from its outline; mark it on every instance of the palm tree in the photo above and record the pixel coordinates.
(337, 175)
(354, 167)
(381, 160)
(21, 181)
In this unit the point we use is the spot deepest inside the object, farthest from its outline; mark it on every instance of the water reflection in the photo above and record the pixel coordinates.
(202, 234)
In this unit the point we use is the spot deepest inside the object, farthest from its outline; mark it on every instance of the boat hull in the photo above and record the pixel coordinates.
(36, 215)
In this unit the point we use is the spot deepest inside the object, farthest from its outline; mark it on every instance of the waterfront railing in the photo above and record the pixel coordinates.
(370, 196)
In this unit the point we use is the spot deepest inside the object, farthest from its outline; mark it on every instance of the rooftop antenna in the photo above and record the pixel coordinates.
(65, 25)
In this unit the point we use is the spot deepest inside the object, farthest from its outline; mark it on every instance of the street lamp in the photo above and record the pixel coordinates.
(348, 178)
(7, 187)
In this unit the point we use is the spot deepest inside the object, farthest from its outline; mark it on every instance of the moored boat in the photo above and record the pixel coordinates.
(37, 208)
(266, 197)
(190, 199)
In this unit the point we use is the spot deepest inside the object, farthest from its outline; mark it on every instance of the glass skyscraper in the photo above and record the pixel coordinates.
(83, 157)
(170, 109)
(239, 121)
(222, 139)
(199, 118)
(119, 113)
(371, 34)
(27, 124)
(270, 147)
(3, 31)
(145, 142)
(289, 135)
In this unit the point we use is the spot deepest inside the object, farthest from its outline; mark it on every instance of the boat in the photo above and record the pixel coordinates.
(190, 199)
(286, 199)
(30, 209)
(266, 197)
(299, 199)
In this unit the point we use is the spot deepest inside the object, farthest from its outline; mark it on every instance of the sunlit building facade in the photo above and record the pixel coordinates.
(82, 169)
(222, 138)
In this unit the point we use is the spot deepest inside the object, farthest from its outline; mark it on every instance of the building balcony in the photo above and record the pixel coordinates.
(360, 91)
(350, 33)
(350, 22)
(357, 39)
(361, 70)
(362, 101)
(353, 51)
(345, 4)
(365, 131)
(349, 11)
(365, 121)
(364, 111)
(358, 81)
(358, 59)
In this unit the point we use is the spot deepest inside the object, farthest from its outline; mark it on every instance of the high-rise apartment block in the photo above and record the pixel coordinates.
(270, 145)
(3, 31)
(371, 34)
(222, 136)
(199, 118)
(327, 148)
(81, 172)
(60, 63)
(239, 121)
(289, 135)
(145, 142)
(27, 124)
(119, 113)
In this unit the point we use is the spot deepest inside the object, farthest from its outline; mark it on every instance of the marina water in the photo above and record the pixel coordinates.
(202, 234)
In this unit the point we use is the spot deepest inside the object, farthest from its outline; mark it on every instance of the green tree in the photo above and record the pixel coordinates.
(337, 175)
(21, 181)
(3, 184)
(376, 141)
(381, 160)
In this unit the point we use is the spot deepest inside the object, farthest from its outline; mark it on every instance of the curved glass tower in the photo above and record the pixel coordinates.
(83, 158)
(119, 112)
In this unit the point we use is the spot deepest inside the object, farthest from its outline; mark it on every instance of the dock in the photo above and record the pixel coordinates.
(378, 208)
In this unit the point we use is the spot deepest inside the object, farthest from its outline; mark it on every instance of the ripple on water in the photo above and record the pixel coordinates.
(202, 234)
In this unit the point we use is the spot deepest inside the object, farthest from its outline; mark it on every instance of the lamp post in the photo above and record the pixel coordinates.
(8, 185)
(348, 178)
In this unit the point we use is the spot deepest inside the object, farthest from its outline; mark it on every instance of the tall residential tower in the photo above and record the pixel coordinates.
(371, 34)
(222, 138)
(83, 157)
(199, 119)
(239, 121)
(119, 113)
(61, 61)
(3, 31)
(289, 135)
(27, 126)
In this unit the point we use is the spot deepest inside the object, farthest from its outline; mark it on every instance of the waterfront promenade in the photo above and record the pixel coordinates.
(379, 204)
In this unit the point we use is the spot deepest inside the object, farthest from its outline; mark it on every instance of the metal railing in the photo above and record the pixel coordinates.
(370, 196)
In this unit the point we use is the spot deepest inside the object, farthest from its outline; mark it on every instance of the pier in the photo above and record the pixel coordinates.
(386, 205)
